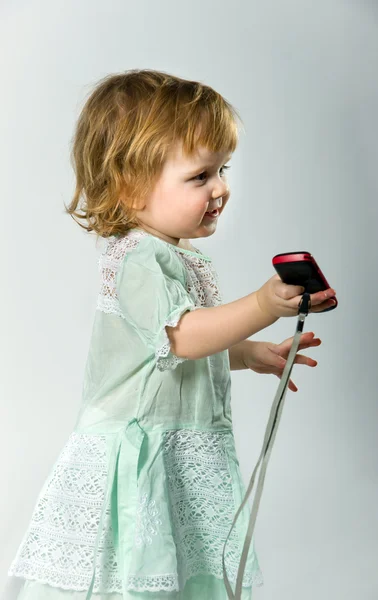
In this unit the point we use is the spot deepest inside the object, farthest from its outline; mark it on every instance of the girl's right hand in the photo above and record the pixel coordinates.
(279, 299)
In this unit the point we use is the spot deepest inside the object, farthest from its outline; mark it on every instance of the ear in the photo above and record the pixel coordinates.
(127, 200)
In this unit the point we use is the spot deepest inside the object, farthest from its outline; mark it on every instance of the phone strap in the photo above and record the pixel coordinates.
(270, 434)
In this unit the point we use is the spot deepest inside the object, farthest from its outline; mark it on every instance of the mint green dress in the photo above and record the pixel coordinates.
(142, 496)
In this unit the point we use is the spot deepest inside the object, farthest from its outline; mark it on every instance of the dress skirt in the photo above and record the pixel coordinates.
(137, 514)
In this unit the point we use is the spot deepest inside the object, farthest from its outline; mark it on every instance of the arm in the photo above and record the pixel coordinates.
(209, 330)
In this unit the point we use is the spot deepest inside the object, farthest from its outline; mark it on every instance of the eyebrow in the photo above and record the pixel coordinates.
(200, 168)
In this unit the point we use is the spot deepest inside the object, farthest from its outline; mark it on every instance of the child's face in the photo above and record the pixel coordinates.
(185, 191)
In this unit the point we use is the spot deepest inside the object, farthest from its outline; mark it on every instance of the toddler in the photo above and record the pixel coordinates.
(143, 494)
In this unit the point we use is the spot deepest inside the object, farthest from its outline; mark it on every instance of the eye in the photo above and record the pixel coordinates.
(205, 172)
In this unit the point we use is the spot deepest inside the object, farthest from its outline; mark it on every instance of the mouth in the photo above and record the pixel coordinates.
(213, 214)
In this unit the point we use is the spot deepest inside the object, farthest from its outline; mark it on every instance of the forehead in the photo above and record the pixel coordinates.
(202, 156)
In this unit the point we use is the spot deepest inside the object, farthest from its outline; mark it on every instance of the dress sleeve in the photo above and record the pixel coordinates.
(151, 290)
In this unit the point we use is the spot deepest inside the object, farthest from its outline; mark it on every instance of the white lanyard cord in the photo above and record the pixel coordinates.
(270, 434)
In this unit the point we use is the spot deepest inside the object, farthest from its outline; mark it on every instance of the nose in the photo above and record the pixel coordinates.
(221, 196)
(221, 190)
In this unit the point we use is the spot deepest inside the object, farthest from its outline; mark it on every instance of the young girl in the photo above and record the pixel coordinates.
(143, 494)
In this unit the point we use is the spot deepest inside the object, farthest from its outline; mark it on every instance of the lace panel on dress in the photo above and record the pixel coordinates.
(108, 265)
(58, 547)
(203, 505)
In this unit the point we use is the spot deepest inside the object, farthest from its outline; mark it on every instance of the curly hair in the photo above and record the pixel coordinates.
(123, 136)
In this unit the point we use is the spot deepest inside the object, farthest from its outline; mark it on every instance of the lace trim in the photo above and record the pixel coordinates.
(155, 583)
(164, 358)
(202, 281)
(58, 546)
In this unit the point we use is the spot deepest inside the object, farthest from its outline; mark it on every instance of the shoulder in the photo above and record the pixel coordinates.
(133, 243)
(148, 253)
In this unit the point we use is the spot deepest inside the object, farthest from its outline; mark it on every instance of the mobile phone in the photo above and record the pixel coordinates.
(301, 268)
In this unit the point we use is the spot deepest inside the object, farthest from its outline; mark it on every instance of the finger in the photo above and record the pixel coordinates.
(312, 344)
(305, 338)
(323, 299)
(319, 300)
(302, 360)
(307, 346)
(308, 343)
(323, 306)
(287, 291)
(324, 295)
(291, 385)
(279, 362)
(284, 347)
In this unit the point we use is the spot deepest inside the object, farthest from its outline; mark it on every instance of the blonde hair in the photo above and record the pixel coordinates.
(124, 133)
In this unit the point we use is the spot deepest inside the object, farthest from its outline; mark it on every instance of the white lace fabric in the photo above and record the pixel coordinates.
(203, 505)
(58, 547)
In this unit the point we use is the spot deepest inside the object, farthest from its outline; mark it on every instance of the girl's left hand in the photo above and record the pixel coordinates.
(269, 358)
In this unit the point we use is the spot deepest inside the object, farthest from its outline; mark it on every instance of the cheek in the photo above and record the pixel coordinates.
(191, 201)
(201, 198)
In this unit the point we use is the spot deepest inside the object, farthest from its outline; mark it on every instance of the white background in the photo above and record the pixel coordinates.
(303, 76)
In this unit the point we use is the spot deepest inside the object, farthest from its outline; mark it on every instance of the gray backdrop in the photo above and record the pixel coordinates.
(303, 75)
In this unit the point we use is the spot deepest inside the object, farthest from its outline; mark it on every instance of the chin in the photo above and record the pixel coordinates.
(209, 229)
